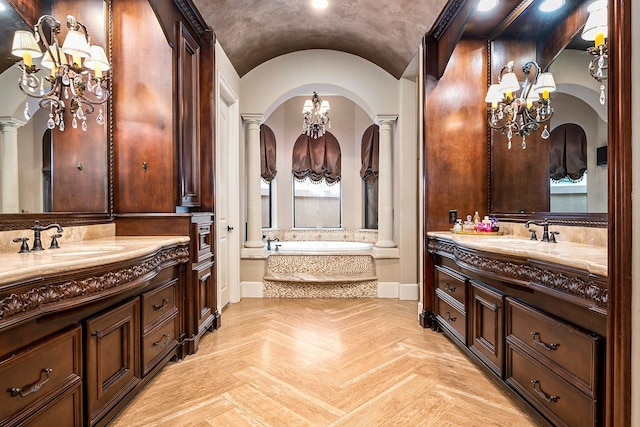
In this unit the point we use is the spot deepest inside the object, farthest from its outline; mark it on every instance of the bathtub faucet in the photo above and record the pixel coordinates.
(269, 242)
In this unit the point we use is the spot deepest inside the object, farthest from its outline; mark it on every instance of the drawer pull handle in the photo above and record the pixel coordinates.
(451, 289)
(449, 318)
(163, 342)
(548, 347)
(541, 394)
(32, 388)
(160, 307)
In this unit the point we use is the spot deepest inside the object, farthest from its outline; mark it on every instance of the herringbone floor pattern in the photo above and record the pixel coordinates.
(322, 362)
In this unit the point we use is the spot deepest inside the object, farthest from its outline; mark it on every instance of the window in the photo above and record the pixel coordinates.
(316, 204)
(265, 203)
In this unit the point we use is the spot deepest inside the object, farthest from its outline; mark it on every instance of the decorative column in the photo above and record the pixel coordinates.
(254, 210)
(10, 202)
(385, 182)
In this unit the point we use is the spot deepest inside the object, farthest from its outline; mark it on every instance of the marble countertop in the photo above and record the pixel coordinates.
(75, 256)
(586, 257)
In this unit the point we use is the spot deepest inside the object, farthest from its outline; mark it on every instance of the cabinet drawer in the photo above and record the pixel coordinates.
(556, 399)
(450, 318)
(572, 352)
(158, 342)
(36, 374)
(203, 241)
(452, 284)
(66, 410)
(159, 304)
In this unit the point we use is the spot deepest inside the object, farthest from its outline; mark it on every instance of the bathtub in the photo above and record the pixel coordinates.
(324, 247)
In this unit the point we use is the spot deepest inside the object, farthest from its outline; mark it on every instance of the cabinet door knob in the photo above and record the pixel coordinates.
(229, 228)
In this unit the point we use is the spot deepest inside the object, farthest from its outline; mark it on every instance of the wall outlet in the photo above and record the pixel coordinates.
(453, 215)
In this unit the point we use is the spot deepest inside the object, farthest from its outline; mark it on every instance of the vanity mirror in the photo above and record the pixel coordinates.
(520, 184)
(62, 175)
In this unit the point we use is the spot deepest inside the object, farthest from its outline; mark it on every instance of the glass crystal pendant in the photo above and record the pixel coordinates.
(27, 113)
(545, 133)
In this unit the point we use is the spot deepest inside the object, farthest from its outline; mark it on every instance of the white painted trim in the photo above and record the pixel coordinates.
(251, 289)
(388, 289)
(409, 292)
(385, 253)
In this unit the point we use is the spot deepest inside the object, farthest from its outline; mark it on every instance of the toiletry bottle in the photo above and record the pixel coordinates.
(476, 218)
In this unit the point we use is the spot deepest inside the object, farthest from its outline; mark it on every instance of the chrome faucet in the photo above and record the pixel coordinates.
(269, 242)
(37, 229)
(546, 236)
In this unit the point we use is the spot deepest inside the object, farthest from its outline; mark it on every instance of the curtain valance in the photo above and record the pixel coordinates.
(567, 152)
(317, 159)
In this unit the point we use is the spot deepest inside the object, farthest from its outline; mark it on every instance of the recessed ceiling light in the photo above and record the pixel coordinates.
(320, 4)
(550, 5)
(487, 5)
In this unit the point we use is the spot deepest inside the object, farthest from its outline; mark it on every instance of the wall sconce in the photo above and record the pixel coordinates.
(524, 113)
(76, 75)
(596, 29)
(315, 114)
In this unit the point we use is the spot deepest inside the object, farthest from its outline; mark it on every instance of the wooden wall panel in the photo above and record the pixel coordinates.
(145, 172)
(456, 166)
(519, 178)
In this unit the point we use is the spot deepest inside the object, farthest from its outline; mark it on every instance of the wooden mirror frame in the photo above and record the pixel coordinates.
(18, 221)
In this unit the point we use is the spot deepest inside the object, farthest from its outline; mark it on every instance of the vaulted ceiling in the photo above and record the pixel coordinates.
(387, 33)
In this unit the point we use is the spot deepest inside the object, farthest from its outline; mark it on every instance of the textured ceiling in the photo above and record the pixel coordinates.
(387, 33)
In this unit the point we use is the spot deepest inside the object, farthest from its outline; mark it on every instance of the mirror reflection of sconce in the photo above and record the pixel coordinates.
(596, 30)
(521, 113)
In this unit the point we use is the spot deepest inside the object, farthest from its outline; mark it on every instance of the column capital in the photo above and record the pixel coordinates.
(253, 118)
(381, 119)
(8, 123)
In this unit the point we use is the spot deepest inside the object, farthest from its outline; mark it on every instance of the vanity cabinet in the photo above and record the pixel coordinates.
(539, 328)
(200, 298)
(77, 345)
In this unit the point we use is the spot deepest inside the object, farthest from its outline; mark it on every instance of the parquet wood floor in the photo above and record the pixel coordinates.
(323, 362)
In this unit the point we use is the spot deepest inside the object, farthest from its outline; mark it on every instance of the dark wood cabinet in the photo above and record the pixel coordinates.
(95, 338)
(43, 378)
(112, 341)
(486, 327)
(531, 325)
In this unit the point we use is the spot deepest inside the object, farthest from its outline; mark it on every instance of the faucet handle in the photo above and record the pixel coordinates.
(54, 241)
(552, 237)
(25, 246)
(534, 236)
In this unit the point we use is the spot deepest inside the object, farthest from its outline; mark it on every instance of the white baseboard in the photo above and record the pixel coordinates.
(250, 290)
(420, 306)
(388, 289)
(409, 292)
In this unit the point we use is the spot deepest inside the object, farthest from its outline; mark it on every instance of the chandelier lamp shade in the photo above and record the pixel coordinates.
(520, 108)
(76, 79)
(315, 114)
(596, 29)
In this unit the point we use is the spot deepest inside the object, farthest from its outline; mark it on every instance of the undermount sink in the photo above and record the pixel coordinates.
(86, 250)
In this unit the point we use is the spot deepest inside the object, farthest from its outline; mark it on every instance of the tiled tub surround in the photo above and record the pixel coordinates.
(320, 276)
(301, 234)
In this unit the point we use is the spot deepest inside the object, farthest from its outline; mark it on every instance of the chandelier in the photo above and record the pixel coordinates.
(596, 30)
(76, 77)
(521, 108)
(315, 116)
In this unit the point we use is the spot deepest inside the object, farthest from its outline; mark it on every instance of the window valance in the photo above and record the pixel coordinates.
(567, 152)
(369, 153)
(317, 159)
(268, 169)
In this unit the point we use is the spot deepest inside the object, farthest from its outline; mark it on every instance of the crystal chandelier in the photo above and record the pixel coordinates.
(596, 30)
(316, 116)
(76, 79)
(521, 108)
